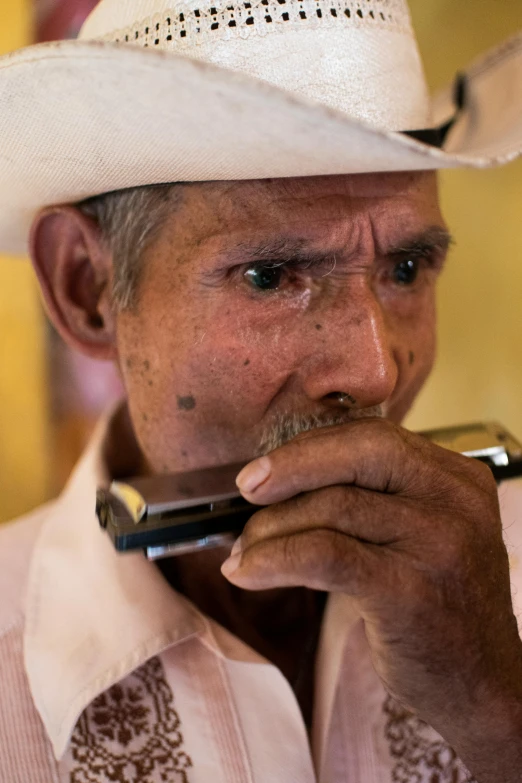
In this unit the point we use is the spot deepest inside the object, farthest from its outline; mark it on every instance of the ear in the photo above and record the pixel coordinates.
(74, 268)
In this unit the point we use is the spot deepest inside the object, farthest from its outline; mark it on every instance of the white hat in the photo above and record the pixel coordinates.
(165, 91)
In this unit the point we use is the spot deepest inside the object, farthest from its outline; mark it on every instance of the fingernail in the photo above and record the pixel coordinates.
(254, 474)
(237, 548)
(230, 565)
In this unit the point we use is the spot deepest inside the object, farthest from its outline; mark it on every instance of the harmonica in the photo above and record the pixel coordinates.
(186, 512)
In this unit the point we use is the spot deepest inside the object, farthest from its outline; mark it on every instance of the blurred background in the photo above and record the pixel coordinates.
(50, 398)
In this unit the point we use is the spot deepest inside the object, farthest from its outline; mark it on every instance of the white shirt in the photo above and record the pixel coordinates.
(107, 674)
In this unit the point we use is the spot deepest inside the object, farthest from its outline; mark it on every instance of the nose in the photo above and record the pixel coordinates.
(354, 353)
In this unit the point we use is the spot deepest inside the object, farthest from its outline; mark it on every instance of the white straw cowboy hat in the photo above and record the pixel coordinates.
(164, 91)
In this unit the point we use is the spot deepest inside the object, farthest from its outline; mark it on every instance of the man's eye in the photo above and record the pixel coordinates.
(405, 272)
(264, 278)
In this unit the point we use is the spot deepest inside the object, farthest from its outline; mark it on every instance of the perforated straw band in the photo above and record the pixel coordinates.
(355, 56)
(185, 23)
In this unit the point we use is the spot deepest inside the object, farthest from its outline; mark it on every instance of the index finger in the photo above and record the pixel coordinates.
(372, 454)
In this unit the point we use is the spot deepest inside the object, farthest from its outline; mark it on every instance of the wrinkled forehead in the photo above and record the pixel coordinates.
(372, 186)
(396, 201)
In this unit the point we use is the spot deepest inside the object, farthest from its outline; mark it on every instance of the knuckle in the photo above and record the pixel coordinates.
(305, 550)
(483, 509)
(484, 476)
(480, 495)
(314, 551)
(327, 558)
(258, 524)
(455, 555)
(452, 551)
(335, 506)
(334, 501)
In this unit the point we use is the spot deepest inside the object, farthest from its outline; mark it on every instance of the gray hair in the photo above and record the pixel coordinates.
(130, 220)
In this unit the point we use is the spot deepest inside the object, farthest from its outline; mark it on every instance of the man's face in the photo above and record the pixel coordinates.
(266, 299)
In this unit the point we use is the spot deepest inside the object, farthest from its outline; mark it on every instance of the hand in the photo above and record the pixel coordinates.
(413, 532)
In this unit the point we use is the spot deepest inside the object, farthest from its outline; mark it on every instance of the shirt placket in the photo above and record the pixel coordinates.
(248, 716)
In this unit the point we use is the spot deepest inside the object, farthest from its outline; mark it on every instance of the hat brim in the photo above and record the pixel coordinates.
(82, 118)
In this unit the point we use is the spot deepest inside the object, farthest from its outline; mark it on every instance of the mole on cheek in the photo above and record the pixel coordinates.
(411, 357)
(186, 403)
(246, 362)
(318, 327)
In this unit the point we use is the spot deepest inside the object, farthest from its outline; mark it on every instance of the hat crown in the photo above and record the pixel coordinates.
(356, 56)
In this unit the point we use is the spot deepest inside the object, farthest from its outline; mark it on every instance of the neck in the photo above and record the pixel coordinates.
(281, 625)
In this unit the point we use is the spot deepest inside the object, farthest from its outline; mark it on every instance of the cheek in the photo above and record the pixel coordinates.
(241, 361)
(200, 367)
(420, 347)
(199, 396)
(217, 364)
(415, 356)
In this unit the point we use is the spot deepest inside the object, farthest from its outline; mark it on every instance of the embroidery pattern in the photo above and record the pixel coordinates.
(131, 734)
(421, 755)
(186, 24)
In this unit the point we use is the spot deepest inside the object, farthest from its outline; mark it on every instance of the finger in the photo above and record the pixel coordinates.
(319, 559)
(369, 453)
(366, 516)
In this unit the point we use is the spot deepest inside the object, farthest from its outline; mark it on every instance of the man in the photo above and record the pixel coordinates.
(362, 628)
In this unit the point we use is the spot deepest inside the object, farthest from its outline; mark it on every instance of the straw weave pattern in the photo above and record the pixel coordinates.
(187, 24)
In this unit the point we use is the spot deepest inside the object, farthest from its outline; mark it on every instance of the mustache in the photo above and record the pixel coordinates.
(287, 426)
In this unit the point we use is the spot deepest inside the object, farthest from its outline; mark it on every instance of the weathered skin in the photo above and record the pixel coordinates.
(200, 333)
(208, 361)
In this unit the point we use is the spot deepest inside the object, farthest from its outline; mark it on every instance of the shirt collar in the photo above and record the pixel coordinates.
(93, 616)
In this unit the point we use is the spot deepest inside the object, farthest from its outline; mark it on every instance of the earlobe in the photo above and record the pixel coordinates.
(74, 269)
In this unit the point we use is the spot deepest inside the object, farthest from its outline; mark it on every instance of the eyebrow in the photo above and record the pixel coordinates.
(278, 250)
(433, 239)
(281, 249)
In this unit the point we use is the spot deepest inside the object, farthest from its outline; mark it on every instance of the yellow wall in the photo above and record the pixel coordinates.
(23, 408)
(479, 370)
